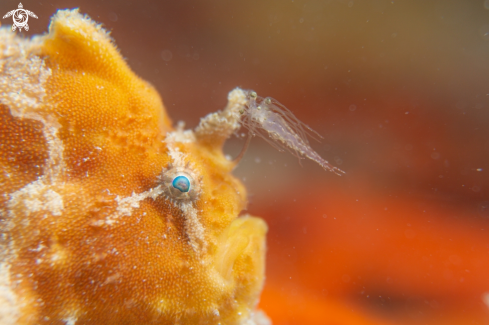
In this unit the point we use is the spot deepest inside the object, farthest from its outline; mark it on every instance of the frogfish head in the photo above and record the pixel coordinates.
(109, 215)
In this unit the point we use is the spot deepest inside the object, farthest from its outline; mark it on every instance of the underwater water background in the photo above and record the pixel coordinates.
(400, 92)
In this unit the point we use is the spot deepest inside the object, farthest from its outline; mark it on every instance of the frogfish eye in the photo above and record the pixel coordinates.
(181, 183)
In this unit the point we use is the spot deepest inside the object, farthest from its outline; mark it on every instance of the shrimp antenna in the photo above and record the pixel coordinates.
(243, 151)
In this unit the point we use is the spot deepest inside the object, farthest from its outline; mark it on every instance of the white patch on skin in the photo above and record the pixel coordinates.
(113, 278)
(82, 24)
(181, 135)
(23, 74)
(53, 202)
(126, 205)
(260, 318)
(9, 304)
(193, 227)
(71, 320)
(41, 194)
(55, 164)
(35, 197)
(23, 77)
(176, 155)
(38, 195)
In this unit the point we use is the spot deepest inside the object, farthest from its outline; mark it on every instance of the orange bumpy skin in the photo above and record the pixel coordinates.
(91, 233)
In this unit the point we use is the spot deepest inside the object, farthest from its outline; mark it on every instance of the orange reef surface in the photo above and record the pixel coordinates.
(108, 214)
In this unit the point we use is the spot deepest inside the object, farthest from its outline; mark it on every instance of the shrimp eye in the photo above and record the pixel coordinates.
(181, 183)
(253, 94)
(268, 101)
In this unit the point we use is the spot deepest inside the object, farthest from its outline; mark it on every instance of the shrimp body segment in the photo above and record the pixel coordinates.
(276, 124)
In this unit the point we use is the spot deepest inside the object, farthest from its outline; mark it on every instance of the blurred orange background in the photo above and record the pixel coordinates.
(399, 90)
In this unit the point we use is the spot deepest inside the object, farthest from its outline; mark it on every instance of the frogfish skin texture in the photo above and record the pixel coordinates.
(109, 215)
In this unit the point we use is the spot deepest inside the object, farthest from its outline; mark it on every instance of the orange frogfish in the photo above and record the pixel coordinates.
(108, 214)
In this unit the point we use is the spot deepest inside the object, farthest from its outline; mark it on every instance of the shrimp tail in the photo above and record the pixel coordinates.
(272, 121)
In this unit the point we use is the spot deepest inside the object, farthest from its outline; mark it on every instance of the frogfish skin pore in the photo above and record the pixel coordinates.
(108, 214)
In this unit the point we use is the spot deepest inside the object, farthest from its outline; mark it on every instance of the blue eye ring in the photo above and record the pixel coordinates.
(181, 183)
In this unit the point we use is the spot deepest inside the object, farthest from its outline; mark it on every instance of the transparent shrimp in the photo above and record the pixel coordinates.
(278, 126)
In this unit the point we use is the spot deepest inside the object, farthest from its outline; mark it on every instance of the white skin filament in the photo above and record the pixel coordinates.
(278, 126)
